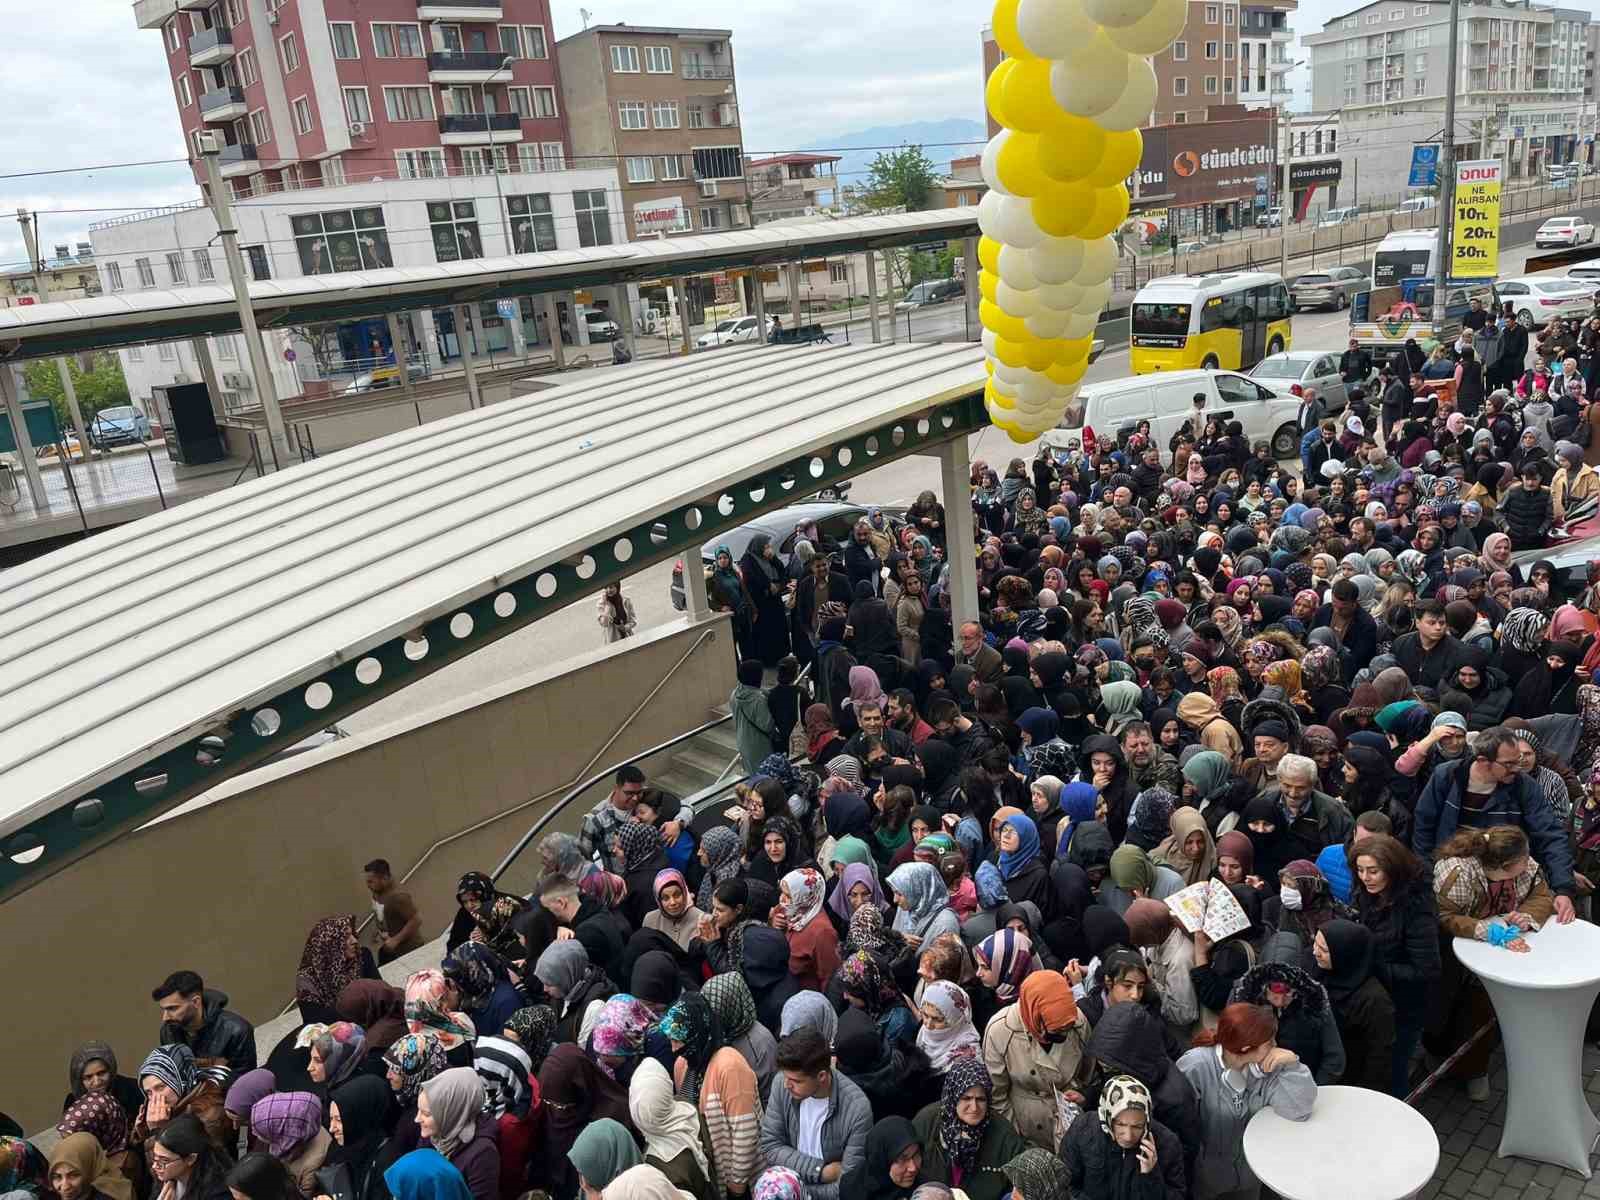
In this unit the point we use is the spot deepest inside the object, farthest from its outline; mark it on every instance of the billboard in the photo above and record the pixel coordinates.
(1184, 166)
(1475, 221)
(664, 215)
(1315, 173)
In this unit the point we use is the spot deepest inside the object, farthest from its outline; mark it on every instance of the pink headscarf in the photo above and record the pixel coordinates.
(864, 686)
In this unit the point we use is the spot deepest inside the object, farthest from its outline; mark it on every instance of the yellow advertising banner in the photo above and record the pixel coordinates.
(1475, 223)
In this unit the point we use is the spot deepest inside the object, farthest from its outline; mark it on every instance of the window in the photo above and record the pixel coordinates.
(658, 60)
(1352, 50)
(625, 60)
(135, 353)
(1300, 150)
(641, 170)
(419, 164)
(1180, 118)
(302, 116)
(227, 347)
(1349, 95)
(1211, 50)
(1227, 51)
(594, 223)
(246, 62)
(718, 162)
(631, 114)
(256, 257)
(396, 40)
(664, 114)
(711, 218)
(185, 95)
(1348, 23)
(408, 103)
(523, 41)
(1374, 18)
(347, 239)
(1419, 10)
(838, 272)
(1180, 86)
(1419, 87)
(478, 162)
(1419, 38)
(1211, 85)
(235, 13)
(555, 156)
(357, 108)
(533, 226)
(1397, 14)
(167, 352)
(697, 117)
(1211, 14)
(114, 276)
(1422, 64)
(1227, 16)
(1350, 73)
(672, 166)
(520, 102)
(544, 102)
(202, 266)
(343, 35)
(170, 32)
(260, 127)
(147, 277)
(1333, 140)
(333, 172)
(175, 267)
(454, 224)
(289, 51)
(1227, 84)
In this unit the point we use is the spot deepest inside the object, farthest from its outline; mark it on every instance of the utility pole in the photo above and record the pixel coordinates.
(30, 236)
(266, 388)
(1447, 172)
(1285, 197)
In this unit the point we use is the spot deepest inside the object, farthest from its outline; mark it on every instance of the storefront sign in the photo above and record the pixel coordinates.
(1475, 224)
(1188, 165)
(665, 215)
(1315, 173)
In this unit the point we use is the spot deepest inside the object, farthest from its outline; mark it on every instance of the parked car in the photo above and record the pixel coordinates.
(1301, 371)
(1270, 218)
(834, 522)
(123, 425)
(931, 291)
(384, 377)
(1417, 204)
(1339, 216)
(1564, 231)
(1195, 246)
(1536, 299)
(1587, 275)
(1333, 288)
(729, 332)
(51, 451)
(600, 325)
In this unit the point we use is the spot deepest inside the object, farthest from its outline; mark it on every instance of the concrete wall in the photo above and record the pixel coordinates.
(229, 884)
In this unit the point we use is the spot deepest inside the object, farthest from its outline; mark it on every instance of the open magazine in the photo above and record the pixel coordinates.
(1208, 908)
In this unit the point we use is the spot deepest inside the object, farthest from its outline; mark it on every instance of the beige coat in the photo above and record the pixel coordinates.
(1027, 1076)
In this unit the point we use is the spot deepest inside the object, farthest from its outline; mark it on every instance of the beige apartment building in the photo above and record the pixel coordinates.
(661, 104)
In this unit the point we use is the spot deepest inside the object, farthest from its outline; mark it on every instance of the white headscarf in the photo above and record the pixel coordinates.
(959, 1037)
(643, 1182)
(669, 1125)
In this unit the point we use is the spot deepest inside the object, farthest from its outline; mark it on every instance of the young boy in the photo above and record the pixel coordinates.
(1527, 510)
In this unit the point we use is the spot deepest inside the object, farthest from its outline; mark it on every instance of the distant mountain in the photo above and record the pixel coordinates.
(937, 138)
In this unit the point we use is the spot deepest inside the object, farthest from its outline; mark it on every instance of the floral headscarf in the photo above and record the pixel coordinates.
(604, 888)
(959, 1038)
(806, 893)
(417, 1058)
(327, 963)
(535, 1027)
(22, 1167)
(1223, 683)
(692, 1022)
(863, 976)
(778, 1183)
(1231, 624)
(344, 1056)
(1319, 668)
(866, 932)
(425, 1010)
(474, 969)
(721, 848)
(620, 1030)
(961, 1141)
(1120, 1093)
(1009, 954)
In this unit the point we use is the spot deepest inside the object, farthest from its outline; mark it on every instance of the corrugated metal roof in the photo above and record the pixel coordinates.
(126, 645)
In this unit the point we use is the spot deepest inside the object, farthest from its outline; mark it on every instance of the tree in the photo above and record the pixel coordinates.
(101, 386)
(902, 178)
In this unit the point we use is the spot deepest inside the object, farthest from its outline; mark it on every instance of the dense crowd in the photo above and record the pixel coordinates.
(1045, 904)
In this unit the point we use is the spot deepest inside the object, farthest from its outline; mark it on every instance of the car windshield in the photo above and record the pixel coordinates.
(1559, 223)
(1279, 367)
(1559, 287)
(725, 326)
(124, 413)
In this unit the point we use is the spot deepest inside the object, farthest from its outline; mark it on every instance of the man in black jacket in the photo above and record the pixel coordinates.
(1396, 393)
(1430, 654)
(1355, 364)
(201, 1020)
(1527, 510)
(1147, 477)
(1357, 631)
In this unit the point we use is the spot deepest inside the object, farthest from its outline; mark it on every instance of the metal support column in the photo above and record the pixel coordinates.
(624, 318)
(969, 260)
(1447, 171)
(872, 296)
(208, 372)
(760, 292)
(29, 235)
(552, 324)
(694, 587)
(794, 295)
(464, 331)
(402, 357)
(888, 294)
(10, 394)
(955, 474)
(681, 286)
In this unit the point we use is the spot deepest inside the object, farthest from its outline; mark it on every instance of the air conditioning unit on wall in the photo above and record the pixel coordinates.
(708, 189)
(235, 381)
(357, 129)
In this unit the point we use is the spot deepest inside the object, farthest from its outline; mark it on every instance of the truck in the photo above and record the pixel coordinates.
(1381, 320)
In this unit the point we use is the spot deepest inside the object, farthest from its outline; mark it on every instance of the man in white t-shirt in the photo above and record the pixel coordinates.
(817, 1120)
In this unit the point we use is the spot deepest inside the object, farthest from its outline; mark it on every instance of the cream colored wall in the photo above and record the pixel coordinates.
(229, 884)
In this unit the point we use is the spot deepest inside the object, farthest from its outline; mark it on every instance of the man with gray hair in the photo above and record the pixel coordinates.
(1312, 819)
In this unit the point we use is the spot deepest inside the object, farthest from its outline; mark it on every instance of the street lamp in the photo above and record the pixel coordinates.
(488, 127)
(1285, 192)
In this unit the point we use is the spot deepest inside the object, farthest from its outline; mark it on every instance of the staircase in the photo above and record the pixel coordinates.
(709, 762)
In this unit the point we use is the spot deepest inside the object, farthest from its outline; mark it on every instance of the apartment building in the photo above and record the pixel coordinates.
(663, 105)
(1522, 77)
(69, 274)
(792, 185)
(317, 92)
(1265, 40)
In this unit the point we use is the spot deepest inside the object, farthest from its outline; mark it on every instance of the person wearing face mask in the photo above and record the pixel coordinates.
(1236, 1070)
(1033, 1049)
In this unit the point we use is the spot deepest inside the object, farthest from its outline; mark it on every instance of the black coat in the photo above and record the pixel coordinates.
(862, 565)
(1127, 1041)
(1406, 960)
(1366, 1025)
(1099, 1169)
(1360, 640)
(222, 1034)
(1527, 516)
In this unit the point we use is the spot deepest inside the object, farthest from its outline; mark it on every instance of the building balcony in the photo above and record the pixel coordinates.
(194, 5)
(459, 10)
(1284, 34)
(153, 14)
(237, 158)
(210, 47)
(706, 71)
(480, 129)
(224, 104)
(465, 66)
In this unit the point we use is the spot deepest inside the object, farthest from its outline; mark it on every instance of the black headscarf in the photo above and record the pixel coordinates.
(1350, 948)
(886, 1141)
(655, 978)
(364, 1105)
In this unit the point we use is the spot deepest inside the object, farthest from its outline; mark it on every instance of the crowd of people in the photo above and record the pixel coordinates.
(932, 954)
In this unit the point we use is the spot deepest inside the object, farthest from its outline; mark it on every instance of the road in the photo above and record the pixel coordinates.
(574, 630)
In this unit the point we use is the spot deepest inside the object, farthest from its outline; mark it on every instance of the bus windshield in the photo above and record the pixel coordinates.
(1161, 318)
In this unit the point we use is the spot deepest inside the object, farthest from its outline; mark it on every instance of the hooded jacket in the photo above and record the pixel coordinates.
(1306, 1025)
(1199, 712)
(1128, 1041)
(222, 1034)
(1120, 792)
(766, 971)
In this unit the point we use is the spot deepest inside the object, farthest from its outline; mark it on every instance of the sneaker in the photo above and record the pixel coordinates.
(1478, 1088)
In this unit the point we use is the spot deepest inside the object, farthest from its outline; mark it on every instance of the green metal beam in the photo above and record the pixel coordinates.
(251, 736)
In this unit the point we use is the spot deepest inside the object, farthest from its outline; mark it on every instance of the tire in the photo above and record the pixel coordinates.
(1211, 363)
(1286, 442)
(1275, 346)
(1525, 319)
(1342, 303)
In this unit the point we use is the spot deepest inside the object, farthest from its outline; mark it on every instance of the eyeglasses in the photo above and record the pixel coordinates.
(164, 1160)
(634, 793)
(1512, 764)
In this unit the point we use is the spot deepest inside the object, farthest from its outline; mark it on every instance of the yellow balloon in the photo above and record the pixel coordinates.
(1020, 436)
(988, 366)
(1073, 349)
(994, 96)
(998, 398)
(987, 282)
(1110, 211)
(1013, 354)
(1018, 166)
(1028, 102)
(989, 253)
(1064, 209)
(1068, 373)
(1004, 25)
(1121, 158)
(1070, 147)
(1003, 324)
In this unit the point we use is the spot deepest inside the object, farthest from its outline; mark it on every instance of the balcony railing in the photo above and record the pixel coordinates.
(479, 123)
(237, 152)
(465, 60)
(221, 98)
(216, 38)
(706, 71)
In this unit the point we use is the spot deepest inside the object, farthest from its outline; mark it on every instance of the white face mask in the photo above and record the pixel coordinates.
(1290, 897)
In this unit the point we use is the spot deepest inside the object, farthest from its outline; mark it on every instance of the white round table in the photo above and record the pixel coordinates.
(1542, 999)
(1357, 1142)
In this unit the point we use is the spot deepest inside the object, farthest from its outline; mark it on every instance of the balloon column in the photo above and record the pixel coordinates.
(1070, 96)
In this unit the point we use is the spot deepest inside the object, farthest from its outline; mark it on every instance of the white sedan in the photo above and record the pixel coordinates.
(1536, 299)
(1564, 231)
(728, 333)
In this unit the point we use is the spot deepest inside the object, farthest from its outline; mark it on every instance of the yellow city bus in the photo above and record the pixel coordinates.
(1231, 320)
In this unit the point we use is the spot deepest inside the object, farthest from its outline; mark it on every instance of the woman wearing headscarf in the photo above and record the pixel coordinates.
(891, 1167)
(1362, 1007)
(97, 1114)
(866, 983)
(92, 1069)
(1037, 1175)
(379, 1009)
(601, 1152)
(571, 983)
(946, 1033)
(80, 1170)
(965, 1144)
(765, 583)
(174, 1086)
(813, 941)
(1034, 1049)
(1119, 1151)
(290, 1123)
(617, 1036)
(575, 1094)
(1188, 849)
(922, 901)
(671, 1131)
(337, 1051)
(1262, 821)
(332, 958)
(413, 1060)
(489, 911)
(1002, 961)
(426, 994)
(735, 1010)
(783, 849)
(424, 1175)
(357, 1112)
(1132, 876)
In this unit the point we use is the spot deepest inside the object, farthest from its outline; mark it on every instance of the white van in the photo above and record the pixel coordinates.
(1110, 409)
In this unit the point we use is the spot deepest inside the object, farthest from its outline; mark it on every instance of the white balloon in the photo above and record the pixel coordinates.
(1092, 78)
(986, 164)
(1048, 323)
(1015, 301)
(1009, 220)
(987, 337)
(1081, 324)
(1153, 32)
(1132, 108)
(1063, 297)
(1016, 268)
(1009, 376)
(1117, 14)
(1035, 392)
(1094, 297)
(1051, 28)
(1099, 261)
(1056, 260)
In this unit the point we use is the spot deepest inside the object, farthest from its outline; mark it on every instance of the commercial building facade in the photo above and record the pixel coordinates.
(1206, 177)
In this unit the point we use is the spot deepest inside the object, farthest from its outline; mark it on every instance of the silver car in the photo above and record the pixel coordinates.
(1333, 288)
(1302, 371)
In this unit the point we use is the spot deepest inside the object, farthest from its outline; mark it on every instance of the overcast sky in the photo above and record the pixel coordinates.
(85, 87)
